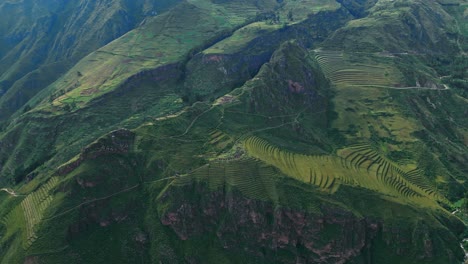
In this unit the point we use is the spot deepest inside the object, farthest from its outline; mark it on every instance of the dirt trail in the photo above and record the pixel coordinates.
(10, 192)
(104, 198)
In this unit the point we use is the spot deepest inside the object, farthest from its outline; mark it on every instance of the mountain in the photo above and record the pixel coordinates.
(41, 40)
(221, 131)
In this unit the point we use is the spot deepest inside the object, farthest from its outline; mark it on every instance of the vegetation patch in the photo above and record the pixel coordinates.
(359, 165)
(252, 178)
(355, 70)
(30, 212)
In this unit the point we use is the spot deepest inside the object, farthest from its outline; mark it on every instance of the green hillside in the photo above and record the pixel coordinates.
(221, 131)
(41, 40)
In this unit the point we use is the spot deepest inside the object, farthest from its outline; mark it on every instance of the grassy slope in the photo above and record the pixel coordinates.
(72, 106)
(271, 106)
(180, 145)
(75, 127)
(148, 47)
(38, 51)
(388, 113)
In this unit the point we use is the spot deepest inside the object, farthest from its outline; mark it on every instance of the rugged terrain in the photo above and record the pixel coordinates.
(220, 131)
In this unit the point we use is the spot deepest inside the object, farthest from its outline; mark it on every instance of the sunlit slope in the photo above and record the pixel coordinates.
(317, 154)
(356, 166)
(377, 70)
(147, 65)
(401, 26)
(252, 178)
(271, 142)
(290, 14)
(162, 40)
(26, 217)
(398, 96)
(41, 40)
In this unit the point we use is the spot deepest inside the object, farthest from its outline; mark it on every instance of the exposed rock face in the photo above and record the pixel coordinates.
(263, 230)
(118, 141)
(215, 74)
(259, 228)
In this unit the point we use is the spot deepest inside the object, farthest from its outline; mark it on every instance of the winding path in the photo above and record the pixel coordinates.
(106, 197)
(401, 88)
(10, 192)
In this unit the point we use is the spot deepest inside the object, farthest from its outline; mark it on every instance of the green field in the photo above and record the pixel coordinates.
(356, 166)
(26, 217)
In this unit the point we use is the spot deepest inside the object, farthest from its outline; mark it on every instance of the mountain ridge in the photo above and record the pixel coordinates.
(44, 48)
(262, 134)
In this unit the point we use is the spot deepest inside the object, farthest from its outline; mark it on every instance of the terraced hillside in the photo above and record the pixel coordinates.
(222, 131)
(251, 178)
(376, 70)
(26, 217)
(338, 68)
(95, 93)
(356, 166)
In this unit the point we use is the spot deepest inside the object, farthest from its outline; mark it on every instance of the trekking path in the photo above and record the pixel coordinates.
(10, 192)
(106, 197)
(90, 201)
